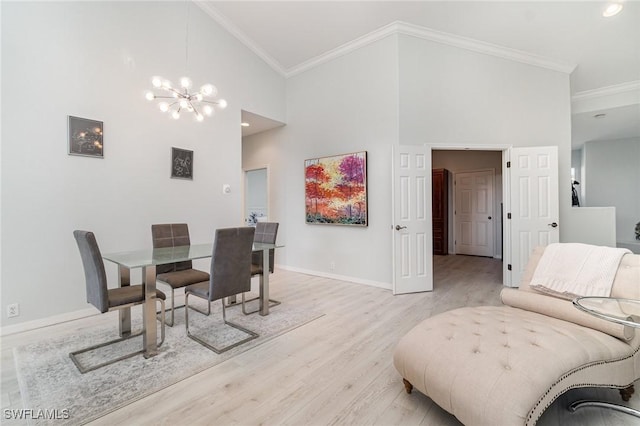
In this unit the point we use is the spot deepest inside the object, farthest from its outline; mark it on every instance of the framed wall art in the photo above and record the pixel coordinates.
(336, 189)
(181, 163)
(86, 137)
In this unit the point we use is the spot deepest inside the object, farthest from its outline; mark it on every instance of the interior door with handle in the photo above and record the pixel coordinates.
(412, 239)
(534, 204)
(473, 223)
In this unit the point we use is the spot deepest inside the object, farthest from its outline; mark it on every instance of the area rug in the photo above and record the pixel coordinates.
(54, 391)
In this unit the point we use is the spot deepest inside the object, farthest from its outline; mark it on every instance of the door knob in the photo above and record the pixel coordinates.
(398, 227)
(489, 218)
(553, 225)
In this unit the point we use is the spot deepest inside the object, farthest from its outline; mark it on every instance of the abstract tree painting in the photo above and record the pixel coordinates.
(336, 189)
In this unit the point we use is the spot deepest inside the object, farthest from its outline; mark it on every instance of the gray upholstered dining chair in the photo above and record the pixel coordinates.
(106, 299)
(230, 275)
(180, 274)
(266, 232)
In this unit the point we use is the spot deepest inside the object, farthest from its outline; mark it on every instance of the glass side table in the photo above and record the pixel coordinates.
(620, 311)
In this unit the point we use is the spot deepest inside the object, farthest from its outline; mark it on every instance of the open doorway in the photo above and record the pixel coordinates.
(255, 167)
(474, 222)
(256, 195)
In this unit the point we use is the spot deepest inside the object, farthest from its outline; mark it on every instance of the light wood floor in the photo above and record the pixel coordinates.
(335, 370)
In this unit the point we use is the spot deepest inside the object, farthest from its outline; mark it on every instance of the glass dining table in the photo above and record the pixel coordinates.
(147, 260)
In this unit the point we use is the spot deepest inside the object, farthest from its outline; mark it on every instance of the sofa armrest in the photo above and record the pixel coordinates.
(563, 310)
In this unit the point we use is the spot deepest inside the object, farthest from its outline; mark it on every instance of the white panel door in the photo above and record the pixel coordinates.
(473, 215)
(412, 233)
(534, 203)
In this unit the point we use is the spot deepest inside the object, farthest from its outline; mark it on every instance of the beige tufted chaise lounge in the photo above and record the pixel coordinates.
(504, 365)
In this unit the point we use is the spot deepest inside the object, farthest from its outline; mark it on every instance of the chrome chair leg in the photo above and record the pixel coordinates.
(162, 321)
(74, 355)
(172, 309)
(252, 335)
(83, 369)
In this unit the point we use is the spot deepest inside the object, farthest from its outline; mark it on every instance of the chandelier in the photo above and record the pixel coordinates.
(183, 99)
(174, 100)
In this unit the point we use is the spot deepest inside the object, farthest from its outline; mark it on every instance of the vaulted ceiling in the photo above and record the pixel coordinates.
(602, 54)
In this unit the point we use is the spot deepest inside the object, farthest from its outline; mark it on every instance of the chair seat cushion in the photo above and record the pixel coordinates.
(129, 294)
(179, 279)
(256, 269)
(199, 289)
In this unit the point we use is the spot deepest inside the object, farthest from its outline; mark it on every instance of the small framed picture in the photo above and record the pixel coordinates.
(86, 137)
(181, 163)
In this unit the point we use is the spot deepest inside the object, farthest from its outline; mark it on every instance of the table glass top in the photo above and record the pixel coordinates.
(621, 311)
(161, 256)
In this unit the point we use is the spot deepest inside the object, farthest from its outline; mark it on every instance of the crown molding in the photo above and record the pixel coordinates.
(342, 50)
(240, 35)
(404, 28)
(397, 27)
(616, 89)
(484, 47)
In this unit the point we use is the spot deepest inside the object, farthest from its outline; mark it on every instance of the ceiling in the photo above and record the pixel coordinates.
(602, 54)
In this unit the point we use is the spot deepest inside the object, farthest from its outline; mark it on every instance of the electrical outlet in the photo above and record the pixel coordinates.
(13, 310)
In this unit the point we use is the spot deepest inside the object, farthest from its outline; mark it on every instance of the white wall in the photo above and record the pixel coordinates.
(95, 60)
(346, 105)
(399, 90)
(612, 178)
(592, 225)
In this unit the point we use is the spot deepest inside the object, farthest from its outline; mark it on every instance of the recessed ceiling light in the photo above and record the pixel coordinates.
(243, 124)
(601, 115)
(612, 9)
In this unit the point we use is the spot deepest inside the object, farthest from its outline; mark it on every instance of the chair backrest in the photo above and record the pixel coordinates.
(231, 262)
(171, 235)
(94, 274)
(266, 232)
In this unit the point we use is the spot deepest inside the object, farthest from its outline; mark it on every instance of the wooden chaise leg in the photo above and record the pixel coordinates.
(409, 387)
(625, 393)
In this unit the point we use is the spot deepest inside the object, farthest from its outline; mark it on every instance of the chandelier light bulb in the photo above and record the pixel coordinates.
(199, 97)
(185, 82)
(199, 117)
(209, 90)
(166, 84)
(150, 96)
(208, 110)
(175, 115)
(157, 82)
(184, 103)
(164, 107)
(222, 104)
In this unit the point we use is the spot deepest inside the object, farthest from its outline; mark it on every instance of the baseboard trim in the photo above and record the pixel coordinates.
(371, 283)
(88, 312)
(46, 322)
